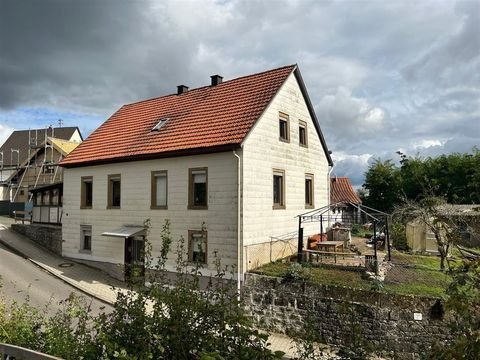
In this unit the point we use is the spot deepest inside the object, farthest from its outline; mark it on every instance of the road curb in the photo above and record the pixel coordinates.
(58, 276)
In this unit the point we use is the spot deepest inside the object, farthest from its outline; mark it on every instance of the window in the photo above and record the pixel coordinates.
(46, 198)
(309, 191)
(198, 190)
(302, 133)
(278, 189)
(86, 192)
(114, 191)
(86, 238)
(159, 190)
(55, 199)
(160, 124)
(284, 127)
(197, 246)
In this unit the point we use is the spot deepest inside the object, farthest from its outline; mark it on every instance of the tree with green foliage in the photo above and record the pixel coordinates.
(464, 300)
(383, 185)
(455, 177)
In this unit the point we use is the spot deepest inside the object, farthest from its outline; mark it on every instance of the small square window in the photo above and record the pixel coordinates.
(197, 246)
(278, 189)
(86, 192)
(86, 237)
(284, 127)
(309, 191)
(114, 192)
(198, 189)
(302, 134)
(159, 190)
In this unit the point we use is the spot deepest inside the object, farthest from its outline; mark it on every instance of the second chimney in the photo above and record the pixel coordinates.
(216, 79)
(181, 89)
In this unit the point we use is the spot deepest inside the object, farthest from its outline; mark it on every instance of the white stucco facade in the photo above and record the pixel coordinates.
(261, 152)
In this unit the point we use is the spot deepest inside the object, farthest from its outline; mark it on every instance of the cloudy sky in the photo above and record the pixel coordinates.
(383, 75)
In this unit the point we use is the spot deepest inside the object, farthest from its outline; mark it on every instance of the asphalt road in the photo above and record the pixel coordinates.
(21, 279)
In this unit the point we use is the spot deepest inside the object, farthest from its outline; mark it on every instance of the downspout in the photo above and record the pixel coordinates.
(329, 189)
(239, 244)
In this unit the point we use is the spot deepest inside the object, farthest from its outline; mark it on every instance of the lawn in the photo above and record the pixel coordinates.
(410, 275)
(416, 275)
(321, 275)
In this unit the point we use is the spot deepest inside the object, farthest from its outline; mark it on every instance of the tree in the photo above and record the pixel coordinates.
(438, 217)
(382, 182)
(464, 299)
(455, 177)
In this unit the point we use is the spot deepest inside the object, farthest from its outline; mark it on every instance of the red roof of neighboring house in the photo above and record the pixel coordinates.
(202, 120)
(341, 190)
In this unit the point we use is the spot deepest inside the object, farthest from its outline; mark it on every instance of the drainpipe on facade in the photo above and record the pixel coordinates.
(328, 187)
(239, 244)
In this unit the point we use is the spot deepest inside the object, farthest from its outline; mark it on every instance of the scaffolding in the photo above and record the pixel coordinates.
(31, 172)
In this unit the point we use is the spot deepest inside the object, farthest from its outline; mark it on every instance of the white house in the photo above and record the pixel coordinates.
(230, 165)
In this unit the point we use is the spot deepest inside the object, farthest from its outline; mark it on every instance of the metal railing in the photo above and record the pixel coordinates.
(12, 352)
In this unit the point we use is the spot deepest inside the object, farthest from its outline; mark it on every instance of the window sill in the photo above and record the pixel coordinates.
(113, 207)
(309, 206)
(197, 207)
(84, 251)
(85, 207)
(284, 140)
(158, 207)
(304, 145)
(278, 207)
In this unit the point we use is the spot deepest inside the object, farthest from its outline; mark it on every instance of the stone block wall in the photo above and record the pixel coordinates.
(48, 236)
(384, 322)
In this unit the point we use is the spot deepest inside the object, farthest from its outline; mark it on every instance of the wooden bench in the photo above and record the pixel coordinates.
(20, 215)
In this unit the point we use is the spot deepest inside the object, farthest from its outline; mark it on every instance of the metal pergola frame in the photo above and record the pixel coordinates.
(320, 214)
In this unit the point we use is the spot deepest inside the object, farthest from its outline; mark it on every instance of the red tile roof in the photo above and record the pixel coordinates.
(201, 120)
(341, 190)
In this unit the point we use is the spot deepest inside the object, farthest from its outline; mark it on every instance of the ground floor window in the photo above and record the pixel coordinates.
(86, 237)
(197, 246)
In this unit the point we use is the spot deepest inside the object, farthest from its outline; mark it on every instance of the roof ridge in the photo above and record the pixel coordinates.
(209, 86)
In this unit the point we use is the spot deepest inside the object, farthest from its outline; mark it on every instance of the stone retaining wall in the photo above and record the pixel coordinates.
(339, 315)
(48, 236)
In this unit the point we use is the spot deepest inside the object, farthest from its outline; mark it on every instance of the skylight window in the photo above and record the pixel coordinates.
(160, 124)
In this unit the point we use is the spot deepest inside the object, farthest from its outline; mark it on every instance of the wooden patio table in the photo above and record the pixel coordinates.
(331, 247)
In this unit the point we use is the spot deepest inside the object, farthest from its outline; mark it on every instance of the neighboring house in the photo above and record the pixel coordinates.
(230, 165)
(29, 159)
(342, 196)
(467, 218)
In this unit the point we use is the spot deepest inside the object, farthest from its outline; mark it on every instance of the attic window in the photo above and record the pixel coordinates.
(160, 124)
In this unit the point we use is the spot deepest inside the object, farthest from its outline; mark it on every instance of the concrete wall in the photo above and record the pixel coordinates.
(48, 236)
(263, 152)
(384, 321)
(220, 218)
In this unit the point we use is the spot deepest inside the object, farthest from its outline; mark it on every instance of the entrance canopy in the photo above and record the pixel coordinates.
(125, 231)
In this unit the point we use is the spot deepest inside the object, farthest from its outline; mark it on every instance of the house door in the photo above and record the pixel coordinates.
(134, 257)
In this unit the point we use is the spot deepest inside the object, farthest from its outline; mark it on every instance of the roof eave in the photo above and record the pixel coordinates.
(303, 88)
(153, 156)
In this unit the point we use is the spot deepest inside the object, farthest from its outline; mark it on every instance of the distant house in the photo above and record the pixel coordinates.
(230, 165)
(29, 159)
(467, 218)
(342, 196)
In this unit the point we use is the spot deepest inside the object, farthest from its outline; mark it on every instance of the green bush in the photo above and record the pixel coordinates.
(178, 321)
(399, 238)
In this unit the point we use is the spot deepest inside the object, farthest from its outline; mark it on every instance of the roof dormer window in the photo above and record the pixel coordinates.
(160, 124)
